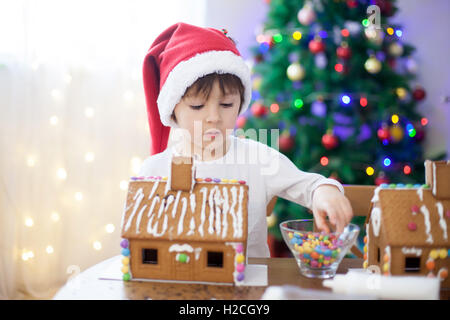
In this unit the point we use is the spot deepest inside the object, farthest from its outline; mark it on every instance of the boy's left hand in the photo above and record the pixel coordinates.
(329, 201)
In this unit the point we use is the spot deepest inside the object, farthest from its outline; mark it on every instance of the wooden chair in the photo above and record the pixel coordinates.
(359, 197)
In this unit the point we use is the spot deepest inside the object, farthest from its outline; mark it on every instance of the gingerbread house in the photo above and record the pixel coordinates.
(185, 228)
(407, 227)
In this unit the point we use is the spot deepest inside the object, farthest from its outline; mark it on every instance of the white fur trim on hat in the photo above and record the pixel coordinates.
(184, 74)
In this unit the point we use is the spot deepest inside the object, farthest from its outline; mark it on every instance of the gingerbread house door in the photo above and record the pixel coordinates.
(182, 265)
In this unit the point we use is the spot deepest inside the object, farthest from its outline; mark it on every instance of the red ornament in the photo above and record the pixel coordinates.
(412, 226)
(258, 110)
(352, 4)
(286, 142)
(419, 94)
(344, 52)
(385, 7)
(241, 121)
(383, 133)
(381, 179)
(329, 141)
(316, 46)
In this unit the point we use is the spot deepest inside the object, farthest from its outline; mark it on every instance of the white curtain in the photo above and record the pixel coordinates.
(73, 130)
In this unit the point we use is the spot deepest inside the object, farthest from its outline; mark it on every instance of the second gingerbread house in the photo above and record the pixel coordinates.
(407, 228)
(185, 228)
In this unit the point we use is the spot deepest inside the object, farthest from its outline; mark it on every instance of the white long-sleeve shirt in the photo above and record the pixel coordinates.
(267, 172)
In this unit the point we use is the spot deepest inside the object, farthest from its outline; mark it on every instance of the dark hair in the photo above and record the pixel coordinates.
(228, 83)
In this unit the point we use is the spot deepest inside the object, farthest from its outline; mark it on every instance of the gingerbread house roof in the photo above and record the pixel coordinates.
(410, 217)
(212, 210)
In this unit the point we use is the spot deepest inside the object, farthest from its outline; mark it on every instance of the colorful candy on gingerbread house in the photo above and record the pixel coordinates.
(407, 228)
(185, 228)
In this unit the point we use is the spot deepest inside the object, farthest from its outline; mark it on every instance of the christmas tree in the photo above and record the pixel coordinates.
(337, 80)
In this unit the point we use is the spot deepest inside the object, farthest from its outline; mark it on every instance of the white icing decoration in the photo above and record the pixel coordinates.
(375, 195)
(181, 248)
(434, 179)
(183, 213)
(197, 253)
(233, 214)
(191, 227)
(420, 193)
(426, 215)
(192, 201)
(442, 222)
(239, 213)
(175, 206)
(137, 198)
(155, 185)
(218, 211)
(169, 202)
(202, 213)
(211, 210)
(225, 212)
(412, 250)
(150, 229)
(375, 218)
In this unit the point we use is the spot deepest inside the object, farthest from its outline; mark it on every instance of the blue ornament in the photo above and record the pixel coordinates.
(126, 252)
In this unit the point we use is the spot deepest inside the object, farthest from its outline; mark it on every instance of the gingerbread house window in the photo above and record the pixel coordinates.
(149, 256)
(378, 255)
(215, 259)
(412, 264)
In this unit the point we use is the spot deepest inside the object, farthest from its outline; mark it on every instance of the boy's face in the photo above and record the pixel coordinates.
(208, 120)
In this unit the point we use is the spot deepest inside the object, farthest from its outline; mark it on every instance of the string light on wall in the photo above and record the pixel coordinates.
(67, 78)
(89, 156)
(54, 120)
(78, 196)
(49, 249)
(29, 222)
(97, 245)
(61, 173)
(27, 254)
(89, 112)
(123, 185)
(110, 228)
(55, 216)
(31, 160)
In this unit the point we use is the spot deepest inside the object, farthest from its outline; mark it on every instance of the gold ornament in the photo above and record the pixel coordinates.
(372, 65)
(396, 133)
(374, 35)
(395, 49)
(295, 72)
(401, 93)
(257, 83)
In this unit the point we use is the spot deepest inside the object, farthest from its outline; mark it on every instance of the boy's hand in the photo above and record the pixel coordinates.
(329, 201)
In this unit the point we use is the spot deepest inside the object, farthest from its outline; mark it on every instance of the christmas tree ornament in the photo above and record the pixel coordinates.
(420, 133)
(258, 109)
(374, 35)
(321, 60)
(241, 121)
(319, 108)
(329, 140)
(411, 65)
(419, 93)
(354, 28)
(344, 52)
(396, 133)
(385, 6)
(381, 178)
(256, 84)
(383, 133)
(316, 45)
(286, 141)
(306, 15)
(402, 93)
(395, 49)
(295, 72)
(352, 4)
(372, 65)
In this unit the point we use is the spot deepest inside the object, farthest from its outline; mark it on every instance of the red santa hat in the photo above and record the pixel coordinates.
(178, 57)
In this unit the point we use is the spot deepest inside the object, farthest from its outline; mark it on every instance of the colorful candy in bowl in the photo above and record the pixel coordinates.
(318, 254)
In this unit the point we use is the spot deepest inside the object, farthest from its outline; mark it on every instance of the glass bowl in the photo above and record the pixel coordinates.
(318, 254)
